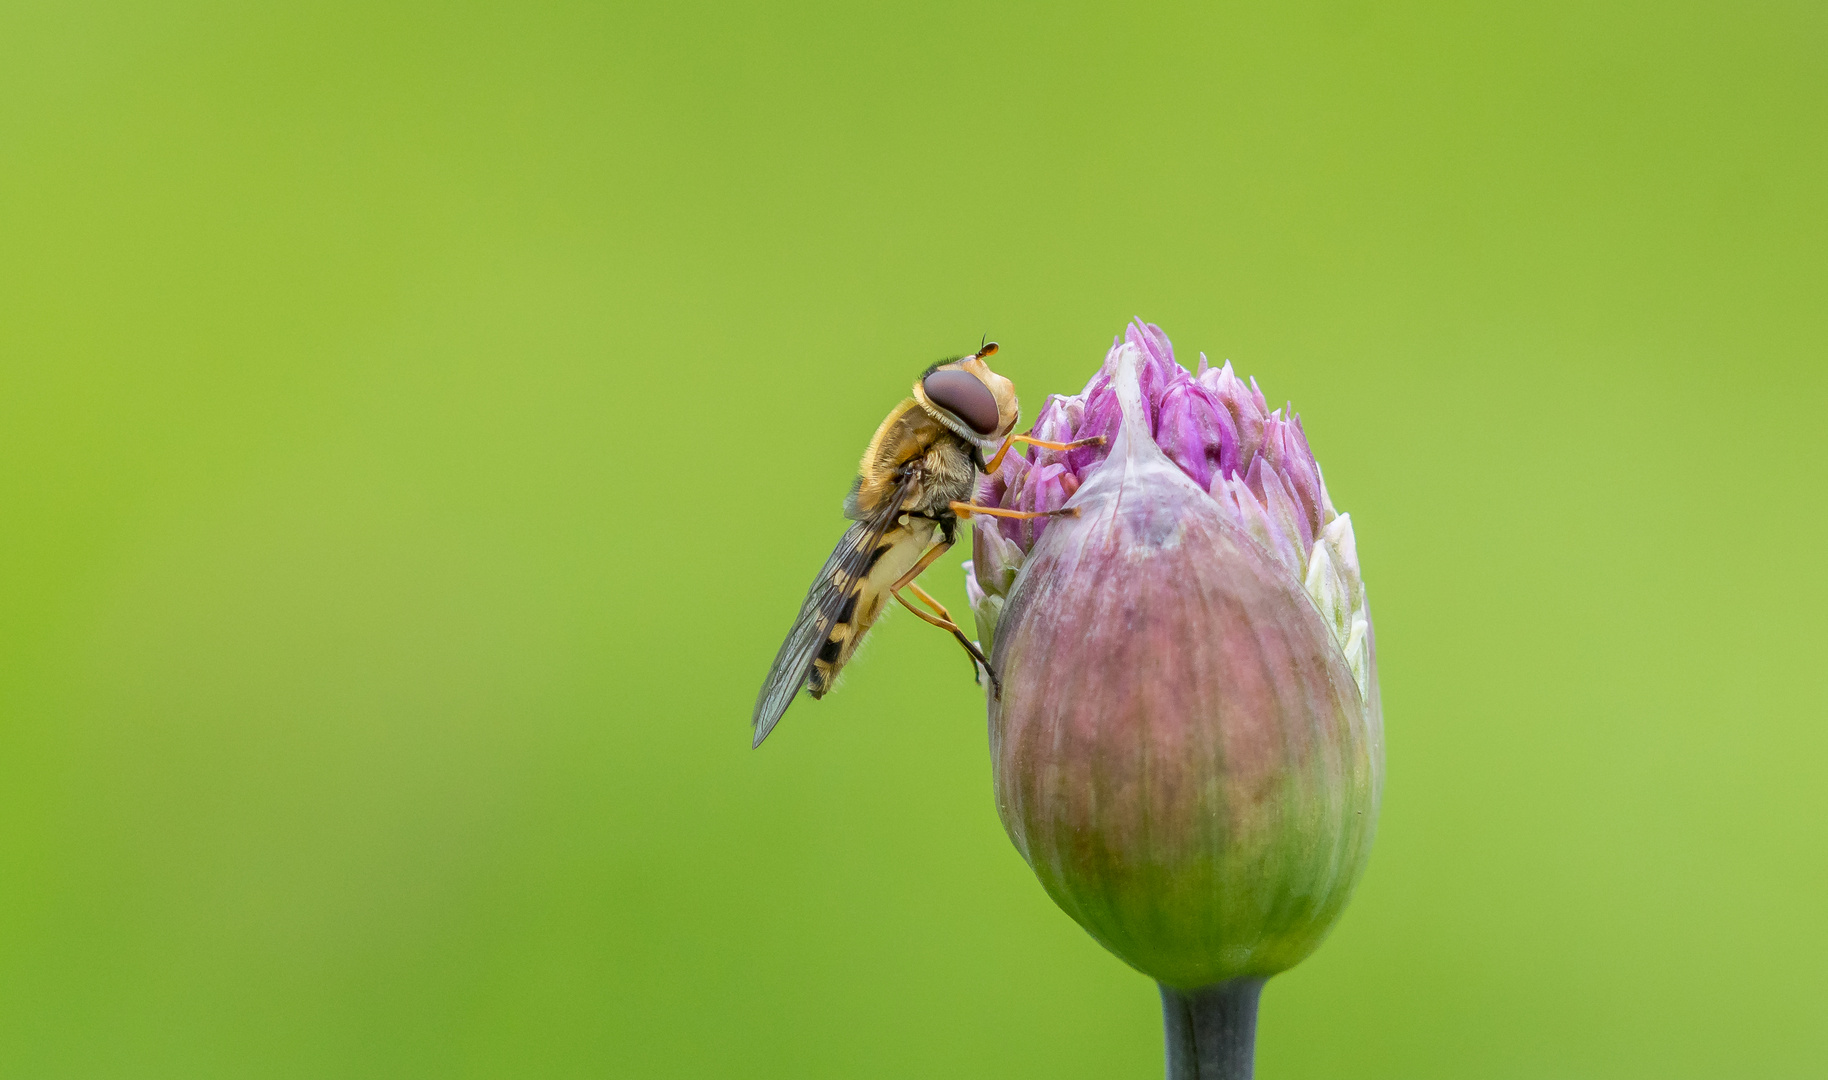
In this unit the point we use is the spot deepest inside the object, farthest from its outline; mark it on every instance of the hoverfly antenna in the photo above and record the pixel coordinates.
(989, 348)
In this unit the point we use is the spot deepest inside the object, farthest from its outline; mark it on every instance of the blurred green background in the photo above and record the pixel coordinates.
(418, 425)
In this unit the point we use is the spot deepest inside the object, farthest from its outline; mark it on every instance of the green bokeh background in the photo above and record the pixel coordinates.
(418, 425)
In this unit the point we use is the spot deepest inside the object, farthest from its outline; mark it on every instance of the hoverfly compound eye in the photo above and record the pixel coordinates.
(961, 394)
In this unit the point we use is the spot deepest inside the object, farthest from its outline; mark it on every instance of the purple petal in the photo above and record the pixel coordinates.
(1298, 444)
(1196, 432)
(1245, 407)
(1101, 417)
(1046, 488)
(1286, 449)
(1256, 392)
(1058, 422)
(1284, 510)
(1159, 370)
(1005, 486)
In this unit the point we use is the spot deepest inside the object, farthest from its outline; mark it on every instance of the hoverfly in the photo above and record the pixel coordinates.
(916, 479)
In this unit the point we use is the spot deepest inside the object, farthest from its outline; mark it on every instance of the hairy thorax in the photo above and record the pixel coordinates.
(910, 438)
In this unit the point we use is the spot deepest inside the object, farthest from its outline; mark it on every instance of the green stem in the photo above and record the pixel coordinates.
(1211, 1032)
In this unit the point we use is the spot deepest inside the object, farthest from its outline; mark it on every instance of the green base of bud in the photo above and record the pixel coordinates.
(1211, 1033)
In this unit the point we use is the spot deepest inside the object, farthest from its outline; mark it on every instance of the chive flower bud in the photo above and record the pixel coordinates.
(1188, 747)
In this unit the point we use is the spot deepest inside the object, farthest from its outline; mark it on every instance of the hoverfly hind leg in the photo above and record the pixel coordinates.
(996, 684)
(980, 664)
(943, 620)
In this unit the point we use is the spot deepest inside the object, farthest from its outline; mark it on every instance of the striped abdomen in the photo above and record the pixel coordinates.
(894, 555)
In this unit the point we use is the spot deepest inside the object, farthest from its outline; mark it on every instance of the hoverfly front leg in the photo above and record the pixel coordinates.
(944, 619)
(991, 465)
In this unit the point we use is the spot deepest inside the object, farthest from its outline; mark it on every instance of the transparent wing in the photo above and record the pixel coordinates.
(820, 610)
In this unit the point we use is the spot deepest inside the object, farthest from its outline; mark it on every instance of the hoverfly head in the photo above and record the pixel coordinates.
(968, 397)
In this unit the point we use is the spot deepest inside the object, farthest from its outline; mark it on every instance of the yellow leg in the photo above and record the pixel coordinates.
(930, 602)
(944, 619)
(926, 560)
(944, 622)
(965, 510)
(1096, 440)
(997, 459)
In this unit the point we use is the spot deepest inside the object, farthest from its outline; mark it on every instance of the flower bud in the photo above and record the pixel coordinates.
(1188, 744)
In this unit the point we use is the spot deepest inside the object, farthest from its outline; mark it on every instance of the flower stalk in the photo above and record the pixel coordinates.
(1211, 1034)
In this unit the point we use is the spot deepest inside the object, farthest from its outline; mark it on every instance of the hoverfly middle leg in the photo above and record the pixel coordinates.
(965, 509)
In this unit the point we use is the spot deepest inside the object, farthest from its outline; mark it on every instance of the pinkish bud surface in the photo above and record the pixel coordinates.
(1188, 747)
